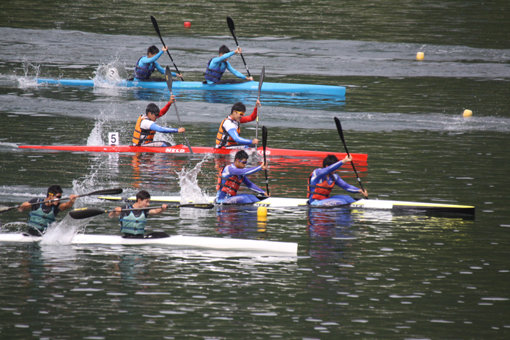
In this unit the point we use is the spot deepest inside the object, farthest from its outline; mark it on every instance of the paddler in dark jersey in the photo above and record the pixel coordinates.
(229, 131)
(232, 176)
(146, 65)
(45, 212)
(132, 223)
(322, 181)
(146, 128)
(217, 66)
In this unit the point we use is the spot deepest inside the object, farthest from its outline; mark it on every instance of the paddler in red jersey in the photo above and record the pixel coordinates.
(322, 181)
(228, 135)
(232, 176)
(146, 128)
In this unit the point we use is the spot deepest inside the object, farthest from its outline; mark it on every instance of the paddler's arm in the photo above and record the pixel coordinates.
(235, 72)
(68, 204)
(240, 140)
(253, 187)
(162, 129)
(164, 110)
(147, 60)
(253, 116)
(158, 210)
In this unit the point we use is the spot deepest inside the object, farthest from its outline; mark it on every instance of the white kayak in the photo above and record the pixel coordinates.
(214, 243)
(281, 202)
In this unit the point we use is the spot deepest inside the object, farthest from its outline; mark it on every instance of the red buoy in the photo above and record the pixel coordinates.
(187, 24)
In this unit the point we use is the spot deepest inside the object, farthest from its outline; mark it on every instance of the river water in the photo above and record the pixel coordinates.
(358, 274)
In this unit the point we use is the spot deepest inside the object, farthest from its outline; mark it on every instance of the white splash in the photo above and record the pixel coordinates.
(110, 74)
(190, 190)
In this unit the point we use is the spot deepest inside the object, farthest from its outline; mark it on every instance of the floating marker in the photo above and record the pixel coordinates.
(262, 213)
(420, 56)
(467, 113)
(187, 24)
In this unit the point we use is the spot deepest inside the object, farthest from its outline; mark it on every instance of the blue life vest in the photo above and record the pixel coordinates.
(144, 72)
(39, 219)
(132, 224)
(213, 74)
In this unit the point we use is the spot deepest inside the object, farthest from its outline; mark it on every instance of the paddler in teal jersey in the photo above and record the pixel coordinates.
(217, 66)
(322, 181)
(45, 210)
(146, 65)
(132, 223)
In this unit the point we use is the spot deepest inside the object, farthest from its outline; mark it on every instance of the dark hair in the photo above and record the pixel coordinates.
(142, 195)
(54, 189)
(223, 49)
(152, 50)
(238, 107)
(241, 155)
(328, 160)
(152, 108)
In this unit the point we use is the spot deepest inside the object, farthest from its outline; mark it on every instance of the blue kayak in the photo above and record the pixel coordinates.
(328, 90)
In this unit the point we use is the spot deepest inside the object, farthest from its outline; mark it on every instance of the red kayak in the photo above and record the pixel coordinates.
(182, 149)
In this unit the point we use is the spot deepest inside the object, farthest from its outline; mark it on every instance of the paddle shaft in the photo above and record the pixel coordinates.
(169, 82)
(232, 28)
(341, 134)
(264, 143)
(261, 80)
(115, 191)
(91, 212)
(156, 28)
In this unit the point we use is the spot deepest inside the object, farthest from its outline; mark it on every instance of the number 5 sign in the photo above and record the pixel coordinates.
(113, 138)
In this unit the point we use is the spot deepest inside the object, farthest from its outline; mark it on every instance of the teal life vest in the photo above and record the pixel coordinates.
(40, 219)
(132, 224)
(214, 74)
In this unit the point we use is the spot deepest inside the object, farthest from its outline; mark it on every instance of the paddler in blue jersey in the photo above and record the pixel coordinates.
(146, 128)
(229, 131)
(217, 66)
(44, 210)
(322, 181)
(232, 176)
(132, 222)
(146, 65)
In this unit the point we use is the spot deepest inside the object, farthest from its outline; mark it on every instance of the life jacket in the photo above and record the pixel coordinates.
(223, 138)
(144, 72)
(39, 219)
(229, 185)
(213, 74)
(321, 190)
(132, 224)
(142, 136)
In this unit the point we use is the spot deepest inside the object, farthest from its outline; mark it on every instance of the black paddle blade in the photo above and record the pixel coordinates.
(261, 80)
(168, 78)
(82, 213)
(339, 129)
(155, 24)
(230, 24)
(114, 191)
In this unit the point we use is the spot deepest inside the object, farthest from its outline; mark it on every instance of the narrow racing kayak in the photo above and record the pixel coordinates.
(329, 90)
(368, 204)
(182, 149)
(214, 243)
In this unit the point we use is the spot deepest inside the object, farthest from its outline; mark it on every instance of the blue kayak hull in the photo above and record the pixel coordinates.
(329, 90)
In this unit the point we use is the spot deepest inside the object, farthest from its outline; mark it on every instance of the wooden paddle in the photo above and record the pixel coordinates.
(169, 81)
(341, 134)
(156, 28)
(264, 143)
(115, 191)
(261, 80)
(232, 28)
(82, 213)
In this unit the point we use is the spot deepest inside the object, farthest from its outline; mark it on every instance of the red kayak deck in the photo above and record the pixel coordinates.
(182, 149)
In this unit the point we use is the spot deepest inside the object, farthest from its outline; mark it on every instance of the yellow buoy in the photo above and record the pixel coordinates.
(420, 56)
(262, 213)
(467, 113)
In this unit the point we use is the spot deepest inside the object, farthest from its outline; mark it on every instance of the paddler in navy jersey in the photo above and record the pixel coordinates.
(217, 66)
(146, 128)
(232, 176)
(146, 65)
(322, 181)
(132, 223)
(229, 131)
(43, 214)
